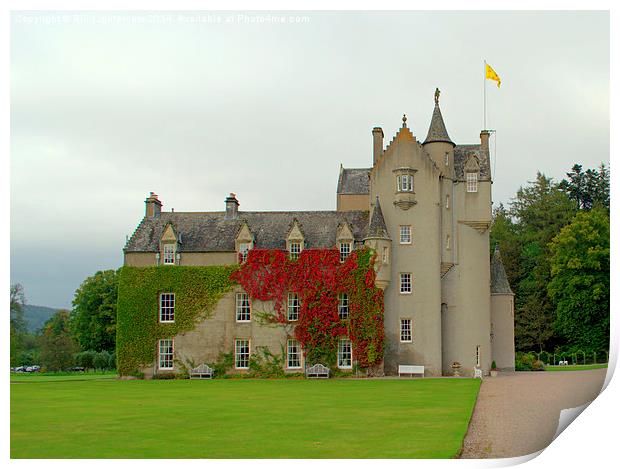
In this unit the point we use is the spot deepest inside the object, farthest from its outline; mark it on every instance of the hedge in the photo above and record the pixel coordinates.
(197, 290)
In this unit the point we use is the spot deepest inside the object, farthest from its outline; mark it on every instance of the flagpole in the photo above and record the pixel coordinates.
(484, 87)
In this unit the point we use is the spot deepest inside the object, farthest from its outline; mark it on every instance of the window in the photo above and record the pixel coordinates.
(293, 307)
(343, 306)
(478, 356)
(169, 252)
(385, 255)
(166, 354)
(345, 250)
(243, 252)
(447, 158)
(295, 249)
(447, 242)
(472, 182)
(344, 353)
(166, 307)
(447, 201)
(404, 183)
(405, 283)
(405, 234)
(293, 354)
(243, 307)
(242, 354)
(405, 330)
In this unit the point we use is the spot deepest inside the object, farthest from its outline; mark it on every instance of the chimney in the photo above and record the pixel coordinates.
(377, 144)
(232, 207)
(153, 205)
(484, 140)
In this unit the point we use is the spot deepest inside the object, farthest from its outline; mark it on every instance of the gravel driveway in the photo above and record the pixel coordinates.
(517, 413)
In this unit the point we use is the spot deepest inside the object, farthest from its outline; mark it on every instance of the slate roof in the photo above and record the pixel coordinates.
(377, 228)
(499, 280)
(461, 153)
(354, 181)
(210, 231)
(437, 130)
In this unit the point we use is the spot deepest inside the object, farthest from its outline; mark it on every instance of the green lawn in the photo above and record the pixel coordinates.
(346, 418)
(44, 377)
(575, 367)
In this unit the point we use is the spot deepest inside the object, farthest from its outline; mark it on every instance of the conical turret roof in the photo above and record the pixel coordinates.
(377, 228)
(437, 131)
(499, 280)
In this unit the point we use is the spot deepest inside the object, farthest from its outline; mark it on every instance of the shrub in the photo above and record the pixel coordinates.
(112, 361)
(224, 363)
(523, 361)
(538, 365)
(493, 365)
(86, 359)
(264, 364)
(101, 360)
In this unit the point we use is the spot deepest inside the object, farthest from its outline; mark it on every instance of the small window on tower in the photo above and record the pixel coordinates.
(404, 183)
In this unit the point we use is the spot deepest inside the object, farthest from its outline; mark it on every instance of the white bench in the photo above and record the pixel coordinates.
(203, 371)
(411, 370)
(317, 371)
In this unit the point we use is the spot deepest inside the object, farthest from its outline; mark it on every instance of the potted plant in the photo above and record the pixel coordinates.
(494, 369)
(455, 368)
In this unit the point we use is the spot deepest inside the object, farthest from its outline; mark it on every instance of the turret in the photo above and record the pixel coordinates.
(502, 315)
(438, 144)
(379, 240)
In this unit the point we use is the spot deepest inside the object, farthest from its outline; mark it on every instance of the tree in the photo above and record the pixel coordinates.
(580, 280)
(102, 360)
(541, 210)
(57, 344)
(85, 359)
(587, 189)
(18, 324)
(504, 234)
(93, 318)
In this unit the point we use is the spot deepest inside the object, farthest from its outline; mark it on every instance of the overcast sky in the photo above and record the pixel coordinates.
(107, 107)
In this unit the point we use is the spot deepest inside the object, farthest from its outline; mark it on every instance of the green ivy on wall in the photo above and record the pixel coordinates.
(197, 290)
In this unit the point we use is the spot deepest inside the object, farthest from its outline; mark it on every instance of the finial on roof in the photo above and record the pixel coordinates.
(404, 120)
(437, 130)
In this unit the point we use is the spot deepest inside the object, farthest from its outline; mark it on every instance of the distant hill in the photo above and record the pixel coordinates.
(36, 316)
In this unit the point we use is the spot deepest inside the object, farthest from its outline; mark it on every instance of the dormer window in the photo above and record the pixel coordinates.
(345, 250)
(294, 250)
(404, 183)
(169, 254)
(243, 251)
(244, 241)
(472, 182)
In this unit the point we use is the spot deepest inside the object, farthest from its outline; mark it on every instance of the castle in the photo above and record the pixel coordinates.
(425, 209)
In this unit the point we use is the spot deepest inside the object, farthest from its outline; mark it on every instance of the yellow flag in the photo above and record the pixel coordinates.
(491, 75)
